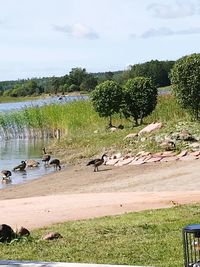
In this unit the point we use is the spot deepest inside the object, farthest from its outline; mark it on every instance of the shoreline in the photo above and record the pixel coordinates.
(76, 192)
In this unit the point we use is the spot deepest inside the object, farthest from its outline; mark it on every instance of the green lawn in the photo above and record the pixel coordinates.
(151, 238)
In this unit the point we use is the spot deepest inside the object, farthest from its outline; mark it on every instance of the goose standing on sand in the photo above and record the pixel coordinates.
(97, 162)
(6, 175)
(56, 164)
(20, 167)
(46, 157)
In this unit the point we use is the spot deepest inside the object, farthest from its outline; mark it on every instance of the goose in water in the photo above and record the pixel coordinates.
(97, 162)
(6, 176)
(32, 163)
(56, 164)
(46, 157)
(20, 167)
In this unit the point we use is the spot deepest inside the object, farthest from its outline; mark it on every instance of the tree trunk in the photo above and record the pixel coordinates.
(110, 121)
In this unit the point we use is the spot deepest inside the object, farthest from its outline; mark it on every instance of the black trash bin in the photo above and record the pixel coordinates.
(191, 243)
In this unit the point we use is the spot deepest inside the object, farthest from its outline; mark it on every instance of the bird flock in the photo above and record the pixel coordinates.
(31, 163)
(46, 158)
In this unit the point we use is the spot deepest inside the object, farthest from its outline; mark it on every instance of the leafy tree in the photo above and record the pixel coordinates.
(89, 83)
(55, 83)
(158, 71)
(107, 98)
(76, 76)
(140, 98)
(185, 78)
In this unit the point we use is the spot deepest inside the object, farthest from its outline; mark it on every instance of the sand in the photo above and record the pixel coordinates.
(76, 192)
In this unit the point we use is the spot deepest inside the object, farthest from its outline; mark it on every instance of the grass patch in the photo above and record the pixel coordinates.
(152, 238)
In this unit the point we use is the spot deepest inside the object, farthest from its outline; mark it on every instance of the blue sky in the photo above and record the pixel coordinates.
(43, 38)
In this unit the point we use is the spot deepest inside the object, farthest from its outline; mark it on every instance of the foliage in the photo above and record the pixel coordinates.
(107, 98)
(185, 77)
(140, 98)
(27, 89)
(158, 71)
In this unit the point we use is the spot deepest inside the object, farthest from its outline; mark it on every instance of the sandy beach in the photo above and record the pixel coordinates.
(76, 192)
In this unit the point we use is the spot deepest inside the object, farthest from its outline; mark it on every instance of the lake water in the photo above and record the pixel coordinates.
(6, 107)
(13, 151)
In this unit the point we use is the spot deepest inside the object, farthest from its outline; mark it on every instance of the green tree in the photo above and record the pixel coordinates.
(76, 77)
(185, 78)
(89, 83)
(158, 71)
(55, 83)
(140, 98)
(107, 98)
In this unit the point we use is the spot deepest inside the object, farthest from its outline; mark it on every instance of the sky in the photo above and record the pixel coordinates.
(45, 38)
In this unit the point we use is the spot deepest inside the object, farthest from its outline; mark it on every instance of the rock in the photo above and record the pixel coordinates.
(113, 129)
(124, 162)
(130, 136)
(51, 236)
(23, 232)
(168, 159)
(154, 159)
(195, 145)
(111, 161)
(168, 154)
(116, 156)
(151, 127)
(6, 233)
(184, 135)
(168, 144)
(182, 154)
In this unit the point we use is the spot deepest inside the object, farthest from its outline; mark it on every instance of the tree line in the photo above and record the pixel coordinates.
(79, 79)
(137, 97)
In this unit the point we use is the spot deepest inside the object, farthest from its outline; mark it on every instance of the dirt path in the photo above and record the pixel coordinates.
(77, 192)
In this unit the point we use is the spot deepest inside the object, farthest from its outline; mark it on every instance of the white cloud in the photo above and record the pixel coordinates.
(181, 8)
(165, 31)
(77, 30)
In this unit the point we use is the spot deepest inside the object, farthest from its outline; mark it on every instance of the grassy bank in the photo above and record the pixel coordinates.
(152, 238)
(84, 133)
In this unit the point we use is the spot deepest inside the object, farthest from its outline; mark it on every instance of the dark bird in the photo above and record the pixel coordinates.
(6, 175)
(97, 162)
(56, 164)
(46, 157)
(20, 167)
(46, 152)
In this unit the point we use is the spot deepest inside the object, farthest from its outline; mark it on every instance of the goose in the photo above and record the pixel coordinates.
(46, 157)
(6, 175)
(46, 152)
(97, 162)
(32, 163)
(56, 164)
(20, 167)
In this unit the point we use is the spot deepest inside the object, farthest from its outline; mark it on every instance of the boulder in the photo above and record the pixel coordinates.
(6, 233)
(151, 127)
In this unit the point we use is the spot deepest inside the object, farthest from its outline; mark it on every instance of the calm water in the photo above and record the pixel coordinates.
(6, 107)
(13, 151)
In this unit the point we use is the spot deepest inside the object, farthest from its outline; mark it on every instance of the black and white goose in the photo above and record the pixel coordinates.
(20, 167)
(46, 157)
(56, 164)
(6, 174)
(97, 162)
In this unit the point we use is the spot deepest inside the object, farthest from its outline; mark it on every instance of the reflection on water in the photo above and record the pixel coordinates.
(13, 151)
